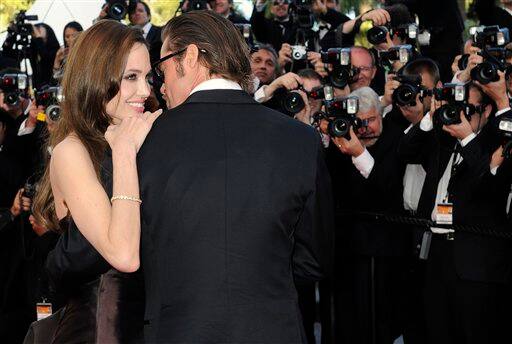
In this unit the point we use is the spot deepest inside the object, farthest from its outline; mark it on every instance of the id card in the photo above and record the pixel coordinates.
(444, 214)
(44, 310)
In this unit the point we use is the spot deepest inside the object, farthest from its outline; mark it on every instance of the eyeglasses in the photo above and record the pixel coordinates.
(157, 72)
(281, 2)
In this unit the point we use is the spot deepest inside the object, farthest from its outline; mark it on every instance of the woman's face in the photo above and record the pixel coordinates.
(134, 88)
(70, 34)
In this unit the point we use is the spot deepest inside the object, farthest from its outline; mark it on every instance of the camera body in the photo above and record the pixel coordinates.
(505, 129)
(20, 30)
(50, 98)
(410, 87)
(343, 73)
(489, 36)
(491, 40)
(340, 113)
(13, 85)
(456, 95)
(118, 9)
(401, 53)
(299, 52)
(377, 34)
(293, 103)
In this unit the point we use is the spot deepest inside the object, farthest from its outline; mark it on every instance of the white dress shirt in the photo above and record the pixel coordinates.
(216, 84)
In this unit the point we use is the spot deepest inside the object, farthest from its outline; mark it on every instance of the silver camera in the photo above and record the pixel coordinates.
(299, 52)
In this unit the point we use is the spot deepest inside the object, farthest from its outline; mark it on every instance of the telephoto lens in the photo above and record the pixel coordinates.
(486, 72)
(293, 102)
(377, 35)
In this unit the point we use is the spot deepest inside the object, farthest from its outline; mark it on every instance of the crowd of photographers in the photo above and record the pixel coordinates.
(417, 133)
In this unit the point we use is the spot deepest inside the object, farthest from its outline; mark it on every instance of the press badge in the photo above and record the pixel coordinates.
(44, 310)
(444, 214)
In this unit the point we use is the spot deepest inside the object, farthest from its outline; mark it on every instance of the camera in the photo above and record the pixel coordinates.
(456, 95)
(118, 9)
(505, 128)
(20, 30)
(293, 103)
(13, 85)
(402, 53)
(50, 98)
(489, 36)
(377, 34)
(495, 60)
(29, 189)
(343, 73)
(410, 87)
(245, 30)
(299, 52)
(196, 5)
(340, 113)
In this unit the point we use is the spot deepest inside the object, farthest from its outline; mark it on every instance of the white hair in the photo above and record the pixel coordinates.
(368, 99)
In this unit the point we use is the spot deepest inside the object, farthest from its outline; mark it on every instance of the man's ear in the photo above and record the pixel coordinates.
(192, 55)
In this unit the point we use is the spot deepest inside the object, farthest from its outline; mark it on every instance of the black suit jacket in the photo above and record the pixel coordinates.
(154, 39)
(381, 192)
(236, 205)
(478, 197)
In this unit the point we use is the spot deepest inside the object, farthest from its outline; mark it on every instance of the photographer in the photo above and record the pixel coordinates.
(70, 34)
(225, 9)
(43, 48)
(466, 184)
(264, 64)
(140, 16)
(367, 177)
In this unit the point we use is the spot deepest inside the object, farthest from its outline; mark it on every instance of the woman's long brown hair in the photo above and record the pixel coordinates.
(92, 77)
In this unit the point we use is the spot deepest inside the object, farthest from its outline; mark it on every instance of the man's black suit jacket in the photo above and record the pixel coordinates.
(236, 206)
(478, 197)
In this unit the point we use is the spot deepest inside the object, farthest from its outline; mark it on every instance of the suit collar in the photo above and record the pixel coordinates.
(220, 97)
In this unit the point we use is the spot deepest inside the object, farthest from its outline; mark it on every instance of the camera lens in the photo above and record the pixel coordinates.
(340, 77)
(405, 95)
(53, 112)
(11, 98)
(377, 35)
(485, 73)
(448, 114)
(293, 102)
(117, 11)
(339, 127)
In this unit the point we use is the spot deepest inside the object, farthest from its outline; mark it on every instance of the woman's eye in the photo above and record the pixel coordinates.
(132, 76)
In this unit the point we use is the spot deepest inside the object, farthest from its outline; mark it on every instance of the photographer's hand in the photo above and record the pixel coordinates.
(389, 88)
(305, 114)
(20, 204)
(59, 56)
(32, 115)
(36, 227)
(461, 130)
(473, 61)
(497, 91)
(497, 158)
(285, 55)
(352, 147)
(378, 16)
(290, 81)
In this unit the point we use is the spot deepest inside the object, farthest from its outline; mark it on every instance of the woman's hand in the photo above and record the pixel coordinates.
(132, 131)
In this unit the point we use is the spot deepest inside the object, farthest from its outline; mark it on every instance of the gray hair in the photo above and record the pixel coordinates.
(368, 99)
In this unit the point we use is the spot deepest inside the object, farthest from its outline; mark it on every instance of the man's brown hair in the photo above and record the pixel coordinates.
(224, 51)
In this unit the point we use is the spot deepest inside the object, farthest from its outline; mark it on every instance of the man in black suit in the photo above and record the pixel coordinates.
(370, 255)
(467, 183)
(141, 17)
(236, 197)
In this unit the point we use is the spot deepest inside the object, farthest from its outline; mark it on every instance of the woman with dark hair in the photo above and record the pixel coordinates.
(70, 33)
(90, 189)
(44, 49)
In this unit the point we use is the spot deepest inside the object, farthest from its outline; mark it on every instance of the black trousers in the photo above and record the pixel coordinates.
(369, 307)
(458, 311)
